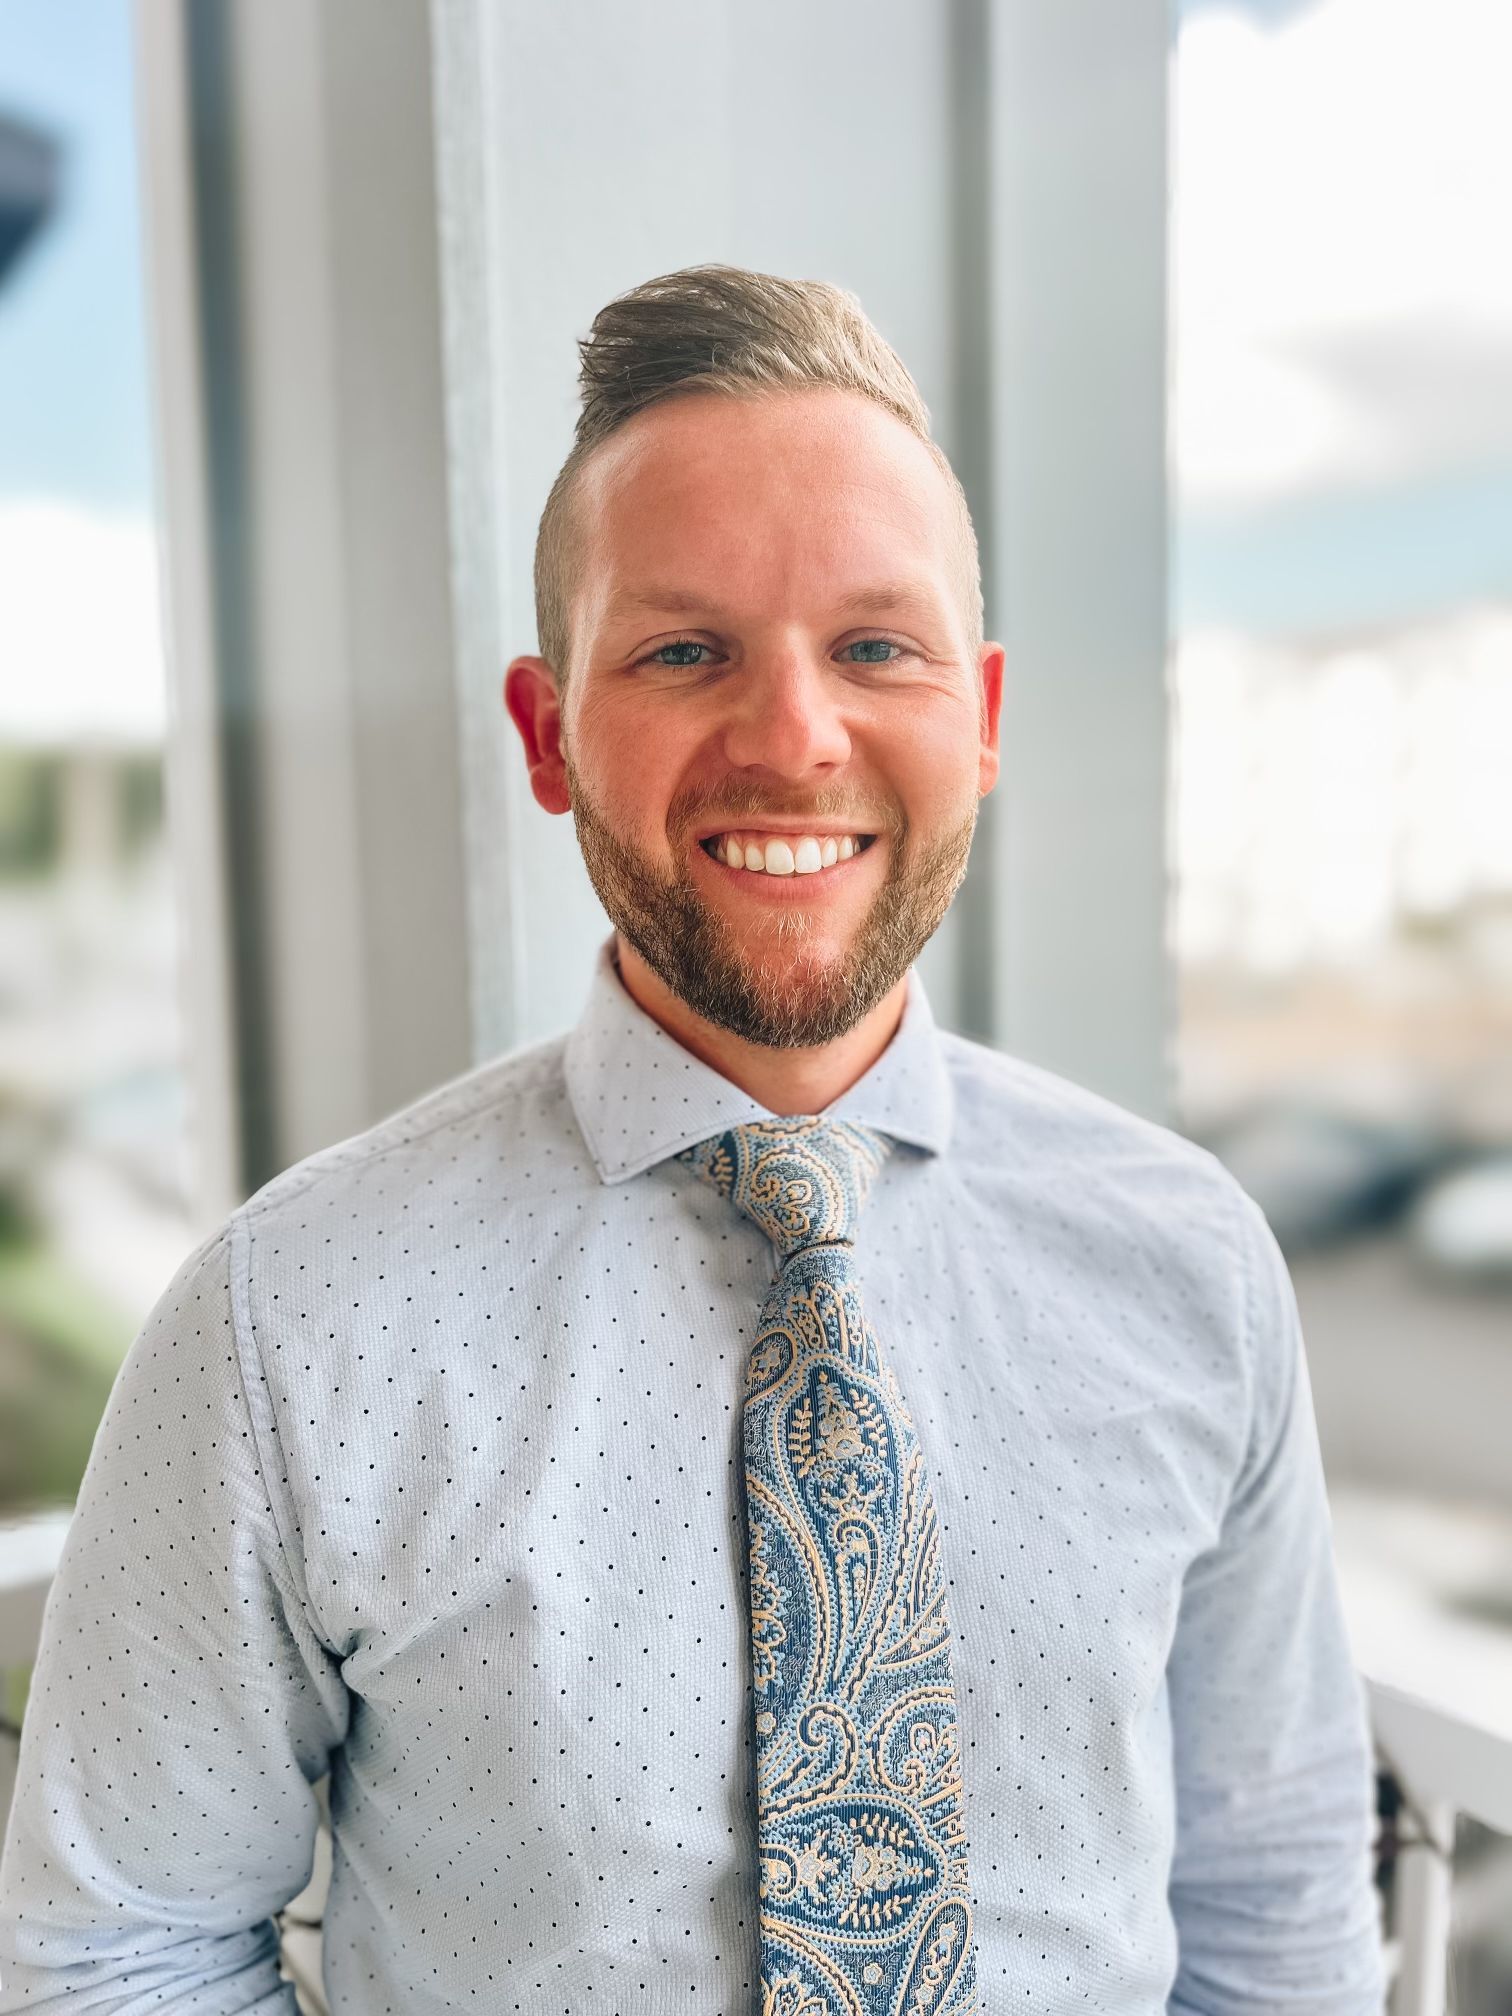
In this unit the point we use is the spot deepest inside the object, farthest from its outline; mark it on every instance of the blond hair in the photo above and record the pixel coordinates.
(724, 329)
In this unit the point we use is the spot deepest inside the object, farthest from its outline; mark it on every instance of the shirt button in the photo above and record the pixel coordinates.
(766, 1721)
(871, 1973)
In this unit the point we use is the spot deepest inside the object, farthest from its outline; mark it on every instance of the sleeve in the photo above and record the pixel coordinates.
(1272, 1883)
(182, 1707)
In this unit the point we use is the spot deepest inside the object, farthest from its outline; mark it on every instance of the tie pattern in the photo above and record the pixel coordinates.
(865, 1907)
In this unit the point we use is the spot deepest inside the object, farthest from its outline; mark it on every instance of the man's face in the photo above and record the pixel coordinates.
(741, 680)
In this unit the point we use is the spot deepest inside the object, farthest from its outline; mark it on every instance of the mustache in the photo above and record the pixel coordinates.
(733, 810)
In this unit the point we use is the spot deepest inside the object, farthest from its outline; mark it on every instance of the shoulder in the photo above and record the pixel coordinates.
(1126, 1193)
(1148, 1223)
(492, 1111)
(1025, 1113)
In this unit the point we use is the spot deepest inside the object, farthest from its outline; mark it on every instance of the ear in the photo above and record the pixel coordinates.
(994, 659)
(535, 707)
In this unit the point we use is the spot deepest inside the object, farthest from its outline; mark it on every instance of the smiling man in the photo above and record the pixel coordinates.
(758, 1503)
(773, 602)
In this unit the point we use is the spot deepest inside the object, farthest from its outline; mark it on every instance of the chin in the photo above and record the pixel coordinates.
(787, 950)
(788, 986)
(782, 1000)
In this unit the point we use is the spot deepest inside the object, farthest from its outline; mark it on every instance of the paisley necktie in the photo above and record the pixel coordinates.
(861, 1836)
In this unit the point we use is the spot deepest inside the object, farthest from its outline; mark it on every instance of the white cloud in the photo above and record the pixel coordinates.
(1341, 298)
(81, 640)
(1324, 794)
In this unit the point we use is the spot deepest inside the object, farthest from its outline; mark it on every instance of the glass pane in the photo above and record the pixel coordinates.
(1342, 677)
(93, 1216)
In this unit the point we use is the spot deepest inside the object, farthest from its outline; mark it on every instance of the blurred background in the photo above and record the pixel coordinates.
(1211, 307)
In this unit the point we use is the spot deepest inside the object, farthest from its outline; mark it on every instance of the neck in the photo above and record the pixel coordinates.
(784, 1081)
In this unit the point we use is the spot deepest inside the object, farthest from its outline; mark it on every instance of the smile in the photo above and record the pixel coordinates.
(784, 853)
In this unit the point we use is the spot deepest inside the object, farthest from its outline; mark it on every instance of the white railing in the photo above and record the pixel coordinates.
(1420, 1580)
(1444, 1764)
(1448, 1754)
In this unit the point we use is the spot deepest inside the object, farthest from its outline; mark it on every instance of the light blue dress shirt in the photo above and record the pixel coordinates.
(425, 1470)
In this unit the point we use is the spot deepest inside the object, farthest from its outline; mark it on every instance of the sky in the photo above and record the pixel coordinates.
(1340, 430)
(73, 361)
(81, 637)
(1267, 13)
(1341, 423)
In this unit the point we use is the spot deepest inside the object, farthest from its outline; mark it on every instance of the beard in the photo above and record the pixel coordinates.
(784, 997)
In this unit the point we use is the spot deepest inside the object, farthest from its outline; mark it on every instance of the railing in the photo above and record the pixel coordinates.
(1445, 1757)
(1444, 1764)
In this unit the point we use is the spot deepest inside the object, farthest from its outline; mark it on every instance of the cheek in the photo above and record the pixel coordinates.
(630, 764)
(930, 755)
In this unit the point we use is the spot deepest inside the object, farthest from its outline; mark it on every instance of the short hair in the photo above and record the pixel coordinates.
(723, 329)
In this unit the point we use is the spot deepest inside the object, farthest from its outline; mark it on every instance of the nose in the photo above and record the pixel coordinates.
(786, 716)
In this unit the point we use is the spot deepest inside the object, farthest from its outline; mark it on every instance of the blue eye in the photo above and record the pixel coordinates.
(680, 644)
(875, 645)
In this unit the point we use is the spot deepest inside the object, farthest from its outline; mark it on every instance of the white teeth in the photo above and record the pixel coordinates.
(805, 855)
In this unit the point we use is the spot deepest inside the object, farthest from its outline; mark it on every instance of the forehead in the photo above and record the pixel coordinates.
(798, 493)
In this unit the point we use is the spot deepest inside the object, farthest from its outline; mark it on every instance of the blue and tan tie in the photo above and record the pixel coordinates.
(865, 1907)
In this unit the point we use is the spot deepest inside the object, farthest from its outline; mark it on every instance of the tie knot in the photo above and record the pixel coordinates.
(802, 1180)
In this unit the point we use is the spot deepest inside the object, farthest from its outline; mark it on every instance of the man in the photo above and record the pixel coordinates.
(758, 1503)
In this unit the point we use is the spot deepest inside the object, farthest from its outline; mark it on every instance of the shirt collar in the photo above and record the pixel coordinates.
(640, 1097)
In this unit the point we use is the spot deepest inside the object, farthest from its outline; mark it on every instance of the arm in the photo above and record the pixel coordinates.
(181, 1707)
(1271, 1883)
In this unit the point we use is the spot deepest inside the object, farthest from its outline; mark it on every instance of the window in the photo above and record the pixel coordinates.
(93, 1169)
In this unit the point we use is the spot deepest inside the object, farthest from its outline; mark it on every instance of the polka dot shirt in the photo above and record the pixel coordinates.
(425, 1471)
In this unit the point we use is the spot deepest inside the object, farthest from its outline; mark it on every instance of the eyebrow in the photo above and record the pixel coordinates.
(882, 597)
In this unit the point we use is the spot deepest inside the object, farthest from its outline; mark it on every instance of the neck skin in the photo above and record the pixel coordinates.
(784, 1081)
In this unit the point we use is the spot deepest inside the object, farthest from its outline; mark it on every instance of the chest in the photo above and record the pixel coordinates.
(532, 1545)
